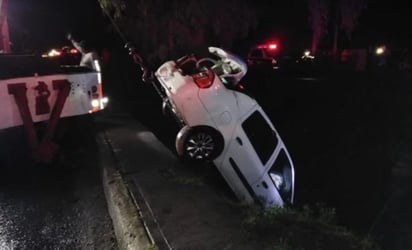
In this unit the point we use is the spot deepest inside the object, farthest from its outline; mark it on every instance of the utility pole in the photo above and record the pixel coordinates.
(4, 28)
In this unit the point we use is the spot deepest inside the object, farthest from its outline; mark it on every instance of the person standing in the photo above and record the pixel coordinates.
(89, 58)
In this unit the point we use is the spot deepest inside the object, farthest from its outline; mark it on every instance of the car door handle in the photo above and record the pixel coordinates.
(239, 141)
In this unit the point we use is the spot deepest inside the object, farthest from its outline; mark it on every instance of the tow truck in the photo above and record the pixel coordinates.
(35, 89)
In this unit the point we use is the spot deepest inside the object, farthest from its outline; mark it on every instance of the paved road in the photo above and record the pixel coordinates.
(60, 206)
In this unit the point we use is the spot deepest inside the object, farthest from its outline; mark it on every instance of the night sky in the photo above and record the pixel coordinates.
(43, 23)
(387, 22)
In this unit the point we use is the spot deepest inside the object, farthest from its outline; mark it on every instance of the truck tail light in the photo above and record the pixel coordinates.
(204, 79)
(74, 51)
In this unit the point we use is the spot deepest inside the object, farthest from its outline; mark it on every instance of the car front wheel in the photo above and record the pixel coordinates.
(200, 143)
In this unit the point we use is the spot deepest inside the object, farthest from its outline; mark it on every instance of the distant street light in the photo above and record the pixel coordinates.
(307, 55)
(380, 50)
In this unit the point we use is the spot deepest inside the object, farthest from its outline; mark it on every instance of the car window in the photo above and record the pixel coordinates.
(256, 53)
(261, 135)
(281, 175)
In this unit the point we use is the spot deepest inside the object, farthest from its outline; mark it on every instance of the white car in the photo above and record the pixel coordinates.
(223, 125)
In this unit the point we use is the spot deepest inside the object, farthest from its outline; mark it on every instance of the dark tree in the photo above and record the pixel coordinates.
(345, 15)
(161, 29)
(318, 17)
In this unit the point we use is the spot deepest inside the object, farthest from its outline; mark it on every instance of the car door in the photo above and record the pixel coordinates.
(275, 187)
(265, 188)
(252, 145)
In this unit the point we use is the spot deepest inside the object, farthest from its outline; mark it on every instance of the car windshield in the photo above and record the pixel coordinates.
(256, 53)
(261, 135)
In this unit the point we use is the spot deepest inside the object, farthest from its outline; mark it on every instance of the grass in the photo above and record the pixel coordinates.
(306, 228)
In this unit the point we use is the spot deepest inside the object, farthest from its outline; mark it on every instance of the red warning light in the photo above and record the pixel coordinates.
(73, 51)
(269, 46)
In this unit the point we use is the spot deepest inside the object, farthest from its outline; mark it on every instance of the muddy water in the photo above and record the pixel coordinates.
(394, 226)
(351, 139)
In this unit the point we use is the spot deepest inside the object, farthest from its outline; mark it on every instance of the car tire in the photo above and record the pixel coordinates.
(199, 143)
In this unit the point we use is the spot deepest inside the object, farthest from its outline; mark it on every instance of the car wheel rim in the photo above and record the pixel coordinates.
(200, 146)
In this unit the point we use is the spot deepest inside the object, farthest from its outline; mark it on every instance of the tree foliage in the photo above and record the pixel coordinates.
(318, 17)
(161, 29)
(350, 11)
(343, 13)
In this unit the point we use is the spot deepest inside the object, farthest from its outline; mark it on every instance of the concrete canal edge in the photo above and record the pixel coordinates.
(128, 224)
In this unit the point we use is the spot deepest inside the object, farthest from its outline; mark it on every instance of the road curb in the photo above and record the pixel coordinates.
(129, 227)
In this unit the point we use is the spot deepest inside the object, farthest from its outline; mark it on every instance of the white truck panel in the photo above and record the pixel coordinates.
(77, 103)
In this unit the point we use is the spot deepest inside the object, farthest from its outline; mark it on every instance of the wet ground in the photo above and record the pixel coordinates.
(54, 206)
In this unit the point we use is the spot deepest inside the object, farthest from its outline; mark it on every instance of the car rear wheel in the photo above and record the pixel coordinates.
(200, 143)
